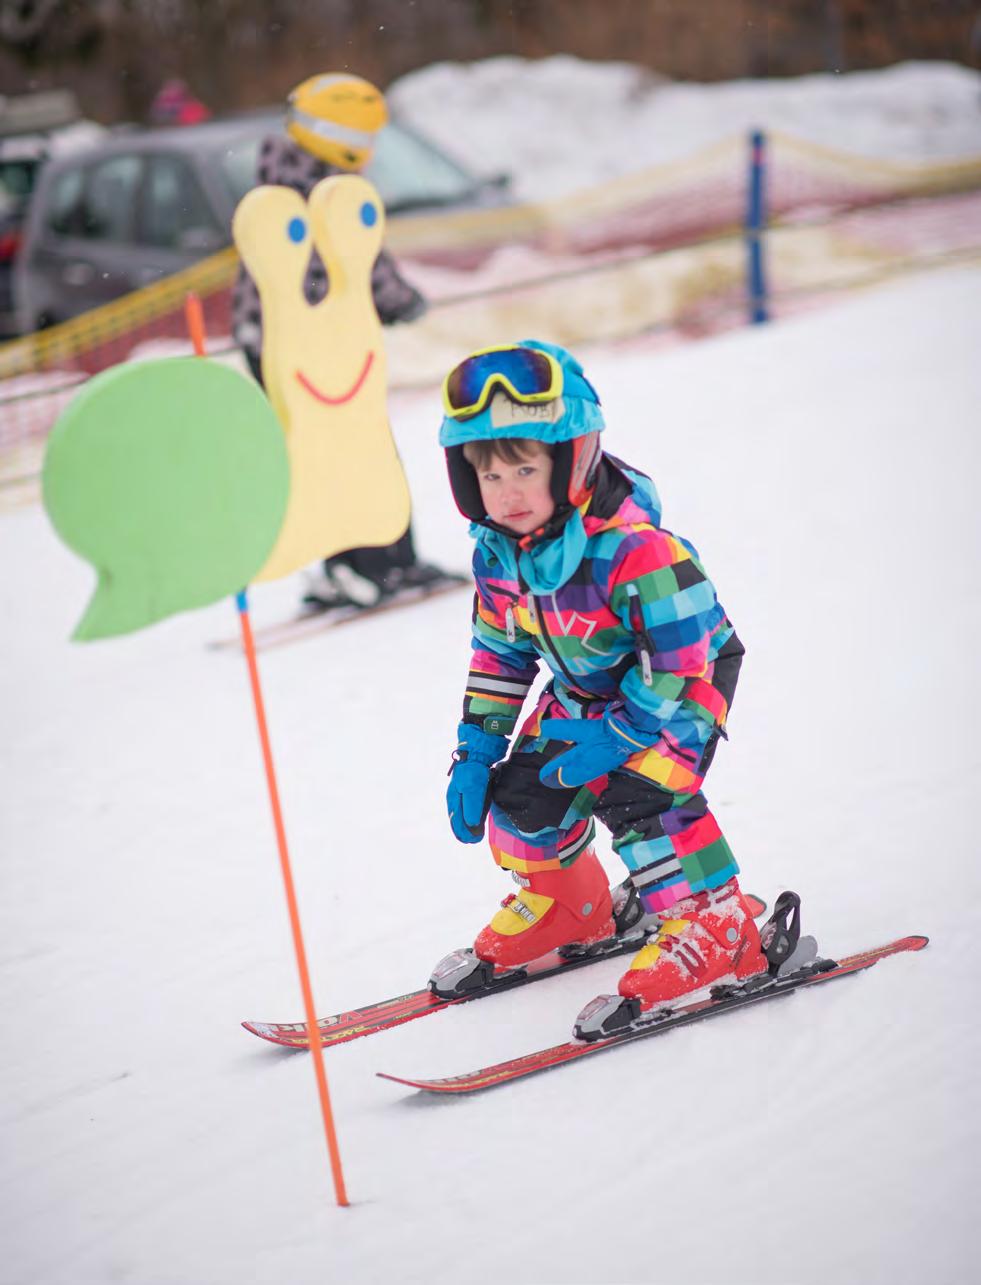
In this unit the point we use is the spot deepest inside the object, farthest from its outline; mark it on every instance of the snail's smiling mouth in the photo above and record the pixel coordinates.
(345, 397)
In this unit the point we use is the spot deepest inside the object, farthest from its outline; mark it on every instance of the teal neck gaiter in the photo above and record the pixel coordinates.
(548, 564)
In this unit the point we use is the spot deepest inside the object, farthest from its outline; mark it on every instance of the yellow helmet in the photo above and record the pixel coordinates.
(335, 118)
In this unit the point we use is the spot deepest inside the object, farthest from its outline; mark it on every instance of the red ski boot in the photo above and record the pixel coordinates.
(554, 908)
(707, 938)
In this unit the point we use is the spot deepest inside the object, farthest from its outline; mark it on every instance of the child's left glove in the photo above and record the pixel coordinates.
(468, 795)
(599, 745)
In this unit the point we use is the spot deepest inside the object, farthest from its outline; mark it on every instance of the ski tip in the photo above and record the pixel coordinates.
(452, 1085)
(431, 1086)
(275, 1034)
(263, 1029)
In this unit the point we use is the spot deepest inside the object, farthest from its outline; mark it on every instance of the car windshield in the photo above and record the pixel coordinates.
(238, 162)
(408, 172)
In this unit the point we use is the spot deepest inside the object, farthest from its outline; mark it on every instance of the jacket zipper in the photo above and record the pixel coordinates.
(642, 644)
(548, 641)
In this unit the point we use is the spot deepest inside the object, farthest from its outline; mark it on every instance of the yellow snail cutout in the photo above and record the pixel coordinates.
(324, 368)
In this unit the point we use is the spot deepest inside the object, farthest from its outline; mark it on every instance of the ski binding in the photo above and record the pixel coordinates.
(787, 953)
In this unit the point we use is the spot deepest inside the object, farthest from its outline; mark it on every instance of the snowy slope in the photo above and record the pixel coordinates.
(827, 469)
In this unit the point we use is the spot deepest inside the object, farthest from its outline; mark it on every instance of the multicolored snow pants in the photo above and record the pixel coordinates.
(666, 836)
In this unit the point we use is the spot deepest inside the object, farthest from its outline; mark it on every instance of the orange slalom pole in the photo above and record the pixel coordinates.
(194, 315)
(313, 1035)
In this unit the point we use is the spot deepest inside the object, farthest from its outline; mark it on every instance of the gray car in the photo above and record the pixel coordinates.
(144, 204)
(33, 129)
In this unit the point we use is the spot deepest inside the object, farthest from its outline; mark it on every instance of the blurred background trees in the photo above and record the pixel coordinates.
(237, 54)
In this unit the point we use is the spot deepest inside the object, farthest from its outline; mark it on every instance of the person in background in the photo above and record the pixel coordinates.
(174, 104)
(331, 124)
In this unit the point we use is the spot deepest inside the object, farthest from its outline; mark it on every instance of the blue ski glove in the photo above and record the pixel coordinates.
(468, 796)
(599, 745)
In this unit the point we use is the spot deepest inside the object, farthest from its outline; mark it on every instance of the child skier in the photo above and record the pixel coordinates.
(573, 567)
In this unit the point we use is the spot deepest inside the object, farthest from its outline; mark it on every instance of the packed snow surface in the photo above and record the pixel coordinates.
(561, 123)
(826, 468)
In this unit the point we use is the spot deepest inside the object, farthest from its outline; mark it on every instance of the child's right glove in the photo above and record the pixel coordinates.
(468, 796)
(599, 746)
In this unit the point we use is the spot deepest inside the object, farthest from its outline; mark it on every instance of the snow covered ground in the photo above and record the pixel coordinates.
(827, 468)
(561, 123)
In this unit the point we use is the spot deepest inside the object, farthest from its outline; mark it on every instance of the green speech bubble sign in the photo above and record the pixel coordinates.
(171, 478)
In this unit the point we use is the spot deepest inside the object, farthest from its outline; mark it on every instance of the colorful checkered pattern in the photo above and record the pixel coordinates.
(680, 851)
(637, 627)
(670, 843)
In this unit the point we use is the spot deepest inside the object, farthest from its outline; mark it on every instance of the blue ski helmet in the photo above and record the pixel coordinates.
(570, 423)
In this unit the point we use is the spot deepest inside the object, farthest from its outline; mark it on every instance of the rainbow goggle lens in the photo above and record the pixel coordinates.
(526, 374)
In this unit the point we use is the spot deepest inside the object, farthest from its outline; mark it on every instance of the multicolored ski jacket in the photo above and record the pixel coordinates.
(636, 626)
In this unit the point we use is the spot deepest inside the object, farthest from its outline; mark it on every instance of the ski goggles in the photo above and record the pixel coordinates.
(527, 375)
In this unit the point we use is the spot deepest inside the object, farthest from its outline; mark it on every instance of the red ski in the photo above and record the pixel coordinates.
(386, 1013)
(658, 1021)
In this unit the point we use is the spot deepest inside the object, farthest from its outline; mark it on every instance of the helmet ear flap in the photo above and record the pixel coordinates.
(464, 485)
(575, 464)
(586, 455)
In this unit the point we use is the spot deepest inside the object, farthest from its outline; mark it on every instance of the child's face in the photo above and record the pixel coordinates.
(518, 496)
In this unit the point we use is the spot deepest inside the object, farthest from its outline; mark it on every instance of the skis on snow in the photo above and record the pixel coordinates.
(313, 620)
(608, 1020)
(406, 1008)
(460, 970)
(722, 999)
